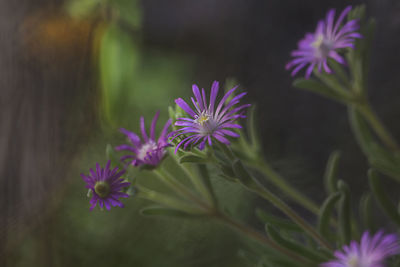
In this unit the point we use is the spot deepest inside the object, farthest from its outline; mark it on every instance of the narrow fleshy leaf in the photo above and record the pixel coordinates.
(325, 214)
(379, 158)
(366, 212)
(330, 176)
(344, 213)
(381, 197)
(293, 246)
(242, 174)
(319, 88)
(286, 225)
(252, 130)
(339, 72)
(192, 159)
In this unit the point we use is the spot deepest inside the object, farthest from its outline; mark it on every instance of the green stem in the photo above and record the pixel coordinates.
(184, 191)
(196, 181)
(277, 180)
(373, 120)
(180, 188)
(198, 184)
(261, 238)
(168, 201)
(277, 202)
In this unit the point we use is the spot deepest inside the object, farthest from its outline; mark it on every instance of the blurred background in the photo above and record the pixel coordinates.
(72, 72)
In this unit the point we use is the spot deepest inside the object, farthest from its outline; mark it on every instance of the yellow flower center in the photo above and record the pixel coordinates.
(353, 262)
(322, 46)
(203, 118)
(102, 189)
(318, 41)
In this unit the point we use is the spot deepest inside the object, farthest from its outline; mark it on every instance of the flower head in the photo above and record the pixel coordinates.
(371, 252)
(329, 37)
(148, 151)
(209, 121)
(106, 185)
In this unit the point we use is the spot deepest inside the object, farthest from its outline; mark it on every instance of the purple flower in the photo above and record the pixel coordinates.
(206, 121)
(316, 48)
(106, 186)
(371, 252)
(149, 151)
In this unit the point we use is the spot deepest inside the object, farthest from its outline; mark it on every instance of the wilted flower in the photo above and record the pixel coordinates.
(106, 186)
(316, 48)
(150, 151)
(371, 252)
(206, 121)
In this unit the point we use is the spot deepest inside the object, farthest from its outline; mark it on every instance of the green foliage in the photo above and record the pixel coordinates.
(294, 246)
(380, 158)
(320, 88)
(119, 62)
(192, 159)
(136, 80)
(381, 197)
(344, 213)
(326, 213)
(330, 176)
(82, 8)
(283, 224)
(366, 212)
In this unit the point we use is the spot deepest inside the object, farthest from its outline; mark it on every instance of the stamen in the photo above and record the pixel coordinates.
(203, 118)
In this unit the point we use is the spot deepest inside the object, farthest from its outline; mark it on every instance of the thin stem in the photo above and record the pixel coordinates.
(196, 181)
(261, 238)
(268, 195)
(373, 120)
(277, 180)
(166, 200)
(180, 188)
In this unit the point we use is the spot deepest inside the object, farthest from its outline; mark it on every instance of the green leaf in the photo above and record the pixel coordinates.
(192, 159)
(331, 170)
(278, 222)
(380, 158)
(325, 214)
(358, 12)
(333, 83)
(366, 214)
(129, 12)
(368, 35)
(319, 88)
(228, 178)
(344, 213)
(339, 72)
(227, 172)
(242, 174)
(361, 131)
(381, 197)
(119, 62)
(205, 175)
(82, 8)
(293, 246)
(252, 130)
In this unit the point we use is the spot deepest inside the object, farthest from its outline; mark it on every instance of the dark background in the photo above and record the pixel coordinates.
(49, 107)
